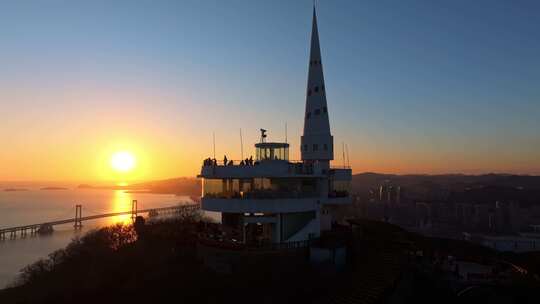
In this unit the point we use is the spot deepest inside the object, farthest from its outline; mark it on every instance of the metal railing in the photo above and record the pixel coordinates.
(262, 195)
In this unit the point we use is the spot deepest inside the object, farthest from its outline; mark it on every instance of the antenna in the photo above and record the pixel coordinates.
(241, 145)
(214, 143)
(285, 132)
(343, 150)
(347, 153)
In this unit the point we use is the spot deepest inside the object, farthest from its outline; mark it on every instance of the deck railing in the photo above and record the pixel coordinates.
(262, 195)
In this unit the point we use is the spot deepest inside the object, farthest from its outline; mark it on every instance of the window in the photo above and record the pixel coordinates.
(316, 89)
(308, 115)
(322, 88)
(315, 147)
(325, 110)
(305, 147)
(317, 111)
(325, 146)
(309, 92)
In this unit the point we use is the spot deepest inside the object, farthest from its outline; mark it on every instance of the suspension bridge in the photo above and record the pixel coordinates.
(47, 227)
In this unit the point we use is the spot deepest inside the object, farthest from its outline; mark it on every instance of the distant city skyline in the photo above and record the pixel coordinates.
(415, 87)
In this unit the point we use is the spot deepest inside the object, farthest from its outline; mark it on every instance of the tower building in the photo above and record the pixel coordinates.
(272, 199)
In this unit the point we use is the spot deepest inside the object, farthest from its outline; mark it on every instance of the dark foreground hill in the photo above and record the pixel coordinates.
(160, 262)
(156, 264)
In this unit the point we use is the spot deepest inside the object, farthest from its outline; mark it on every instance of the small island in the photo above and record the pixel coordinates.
(54, 188)
(15, 189)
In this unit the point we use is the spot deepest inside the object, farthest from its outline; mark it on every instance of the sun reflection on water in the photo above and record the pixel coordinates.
(121, 202)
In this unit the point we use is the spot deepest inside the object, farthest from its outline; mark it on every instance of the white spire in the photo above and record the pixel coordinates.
(317, 142)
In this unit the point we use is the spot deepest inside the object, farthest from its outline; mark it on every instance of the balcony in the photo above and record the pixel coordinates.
(262, 194)
(264, 168)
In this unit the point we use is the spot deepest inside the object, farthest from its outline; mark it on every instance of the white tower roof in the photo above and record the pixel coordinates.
(317, 141)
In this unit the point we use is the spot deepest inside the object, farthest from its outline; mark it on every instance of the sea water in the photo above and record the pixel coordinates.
(34, 206)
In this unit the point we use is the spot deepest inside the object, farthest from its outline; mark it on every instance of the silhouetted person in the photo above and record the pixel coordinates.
(251, 160)
(224, 160)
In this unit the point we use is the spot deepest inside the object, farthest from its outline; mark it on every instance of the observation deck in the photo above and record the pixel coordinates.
(264, 168)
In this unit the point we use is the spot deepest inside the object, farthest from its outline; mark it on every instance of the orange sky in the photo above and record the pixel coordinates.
(409, 92)
(53, 139)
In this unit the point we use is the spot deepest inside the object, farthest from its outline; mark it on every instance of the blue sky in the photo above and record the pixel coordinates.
(412, 86)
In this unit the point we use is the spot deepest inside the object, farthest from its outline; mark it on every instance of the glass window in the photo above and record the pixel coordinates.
(245, 185)
(317, 111)
(340, 188)
(212, 186)
(325, 110)
(325, 146)
(308, 115)
(305, 147)
(261, 183)
(316, 89)
(315, 147)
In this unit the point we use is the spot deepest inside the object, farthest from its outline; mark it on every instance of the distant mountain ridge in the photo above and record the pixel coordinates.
(363, 183)
(178, 186)
(525, 181)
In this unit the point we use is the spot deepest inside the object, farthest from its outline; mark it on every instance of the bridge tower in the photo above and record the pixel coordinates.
(78, 217)
(134, 209)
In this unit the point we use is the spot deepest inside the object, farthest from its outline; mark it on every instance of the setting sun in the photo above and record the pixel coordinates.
(123, 161)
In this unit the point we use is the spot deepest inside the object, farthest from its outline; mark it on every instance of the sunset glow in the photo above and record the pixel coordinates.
(161, 99)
